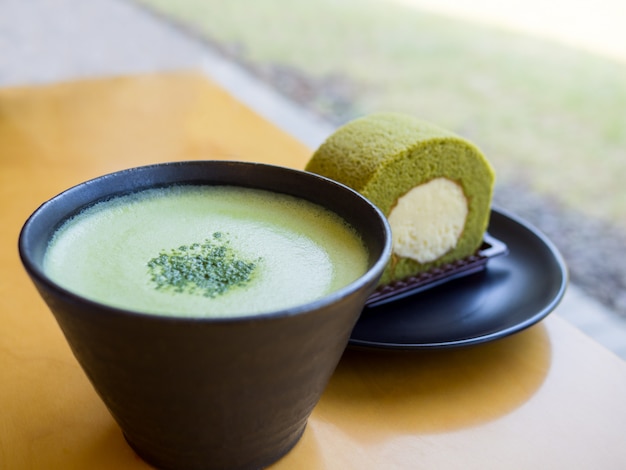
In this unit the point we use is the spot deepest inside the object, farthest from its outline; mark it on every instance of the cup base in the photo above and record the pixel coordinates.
(211, 461)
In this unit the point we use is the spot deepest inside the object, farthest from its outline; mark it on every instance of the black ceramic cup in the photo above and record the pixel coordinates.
(201, 393)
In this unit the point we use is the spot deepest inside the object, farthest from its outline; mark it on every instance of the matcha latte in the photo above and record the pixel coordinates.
(205, 251)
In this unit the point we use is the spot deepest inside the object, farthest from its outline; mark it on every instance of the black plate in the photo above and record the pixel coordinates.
(514, 292)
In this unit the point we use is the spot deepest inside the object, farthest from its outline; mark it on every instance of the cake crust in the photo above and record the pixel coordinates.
(386, 155)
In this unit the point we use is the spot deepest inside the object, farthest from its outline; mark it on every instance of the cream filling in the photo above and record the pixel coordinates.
(428, 220)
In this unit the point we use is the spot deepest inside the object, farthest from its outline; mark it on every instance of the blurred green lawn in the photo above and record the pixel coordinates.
(548, 116)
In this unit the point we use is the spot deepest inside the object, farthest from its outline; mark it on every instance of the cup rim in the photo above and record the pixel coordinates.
(35, 270)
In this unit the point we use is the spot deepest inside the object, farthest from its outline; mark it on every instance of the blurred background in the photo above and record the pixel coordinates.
(539, 86)
(542, 89)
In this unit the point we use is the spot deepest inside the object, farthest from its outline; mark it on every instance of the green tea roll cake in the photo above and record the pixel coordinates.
(434, 187)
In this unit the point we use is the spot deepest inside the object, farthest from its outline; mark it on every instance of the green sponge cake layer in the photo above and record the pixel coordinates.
(434, 186)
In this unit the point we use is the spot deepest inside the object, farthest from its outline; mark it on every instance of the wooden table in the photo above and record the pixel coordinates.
(547, 398)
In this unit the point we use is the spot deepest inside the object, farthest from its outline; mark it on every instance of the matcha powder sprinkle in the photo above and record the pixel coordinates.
(210, 268)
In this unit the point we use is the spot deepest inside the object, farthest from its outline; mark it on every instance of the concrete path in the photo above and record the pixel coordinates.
(43, 41)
